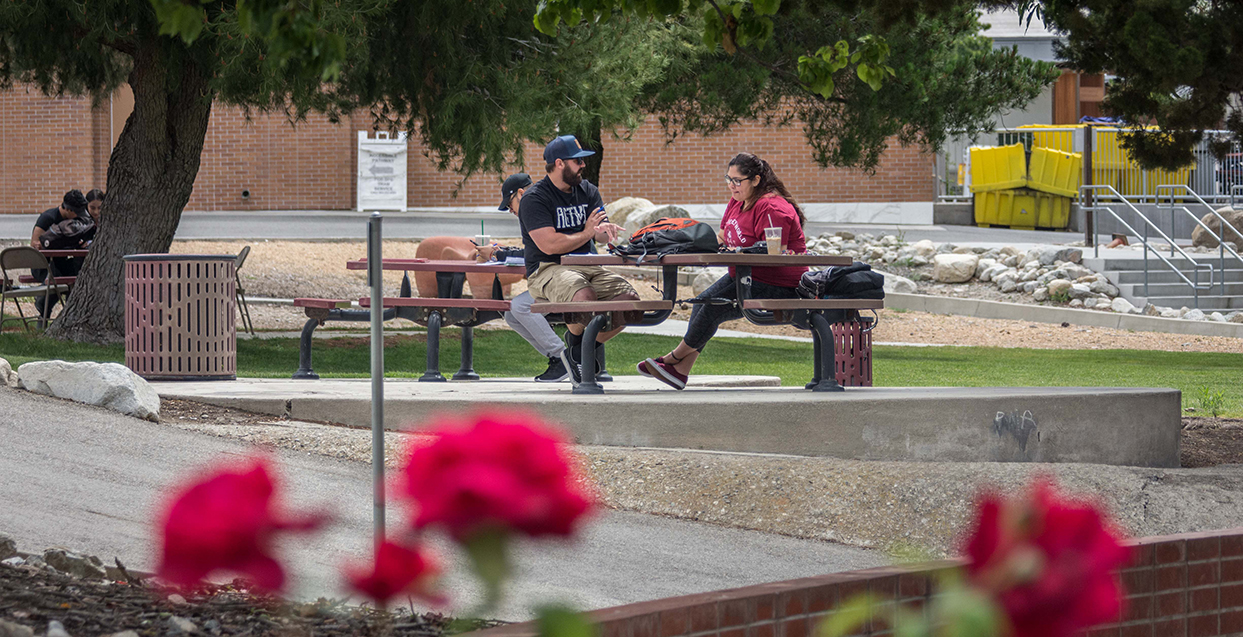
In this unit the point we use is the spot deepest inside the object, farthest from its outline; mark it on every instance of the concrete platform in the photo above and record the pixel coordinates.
(1100, 425)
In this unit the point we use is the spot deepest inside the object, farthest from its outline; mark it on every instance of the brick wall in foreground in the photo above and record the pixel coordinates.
(1187, 585)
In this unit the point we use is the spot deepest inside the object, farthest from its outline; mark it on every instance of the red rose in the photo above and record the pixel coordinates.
(496, 471)
(227, 521)
(1048, 561)
(397, 569)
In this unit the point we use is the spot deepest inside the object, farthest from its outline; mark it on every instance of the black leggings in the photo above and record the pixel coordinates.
(705, 318)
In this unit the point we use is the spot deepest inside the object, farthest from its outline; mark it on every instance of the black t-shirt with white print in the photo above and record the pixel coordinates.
(545, 205)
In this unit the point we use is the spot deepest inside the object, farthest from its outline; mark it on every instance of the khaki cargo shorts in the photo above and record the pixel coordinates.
(559, 283)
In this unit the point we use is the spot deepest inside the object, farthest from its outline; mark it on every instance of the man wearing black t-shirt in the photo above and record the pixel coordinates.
(72, 206)
(563, 214)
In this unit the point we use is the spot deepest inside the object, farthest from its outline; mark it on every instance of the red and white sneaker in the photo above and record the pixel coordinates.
(642, 366)
(666, 374)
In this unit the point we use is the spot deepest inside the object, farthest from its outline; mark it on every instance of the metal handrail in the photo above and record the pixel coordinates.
(1221, 242)
(1195, 265)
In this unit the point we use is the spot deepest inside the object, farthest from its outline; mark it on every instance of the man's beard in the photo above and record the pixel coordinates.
(572, 177)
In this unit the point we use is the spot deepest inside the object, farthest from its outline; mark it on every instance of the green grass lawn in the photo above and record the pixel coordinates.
(504, 353)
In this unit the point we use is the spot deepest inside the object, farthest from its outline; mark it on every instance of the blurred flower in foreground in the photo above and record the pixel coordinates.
(1038, 565)
(228, 520)
(488, 477)
(397, 570)
(1048, 561)
(495, 472)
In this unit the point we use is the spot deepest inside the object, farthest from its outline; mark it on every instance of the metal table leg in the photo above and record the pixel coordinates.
(589, 384)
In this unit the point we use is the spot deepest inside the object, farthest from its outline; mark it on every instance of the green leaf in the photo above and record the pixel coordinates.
(851, 615)
(559, 621)
(714, 29)
(766, 7)
(489, 558)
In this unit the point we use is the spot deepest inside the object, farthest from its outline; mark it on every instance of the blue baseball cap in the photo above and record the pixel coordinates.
(564, 147)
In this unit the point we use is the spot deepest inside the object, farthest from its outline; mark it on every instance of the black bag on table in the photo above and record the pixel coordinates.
(856, 280)
(669, 236)
(68, 234)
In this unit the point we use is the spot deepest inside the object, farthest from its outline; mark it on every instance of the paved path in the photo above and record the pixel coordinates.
(91, 479)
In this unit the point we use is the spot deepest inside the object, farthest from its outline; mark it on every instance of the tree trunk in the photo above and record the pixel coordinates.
(150, 176)
(590, 139)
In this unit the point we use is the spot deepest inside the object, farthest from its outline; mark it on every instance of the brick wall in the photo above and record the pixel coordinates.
(48, 145)
(1187, 585)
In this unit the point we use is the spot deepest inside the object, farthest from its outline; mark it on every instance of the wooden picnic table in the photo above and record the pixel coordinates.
(807, 314)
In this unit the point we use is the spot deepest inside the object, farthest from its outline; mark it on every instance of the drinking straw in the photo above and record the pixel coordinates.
(481, 227)
(770, 220)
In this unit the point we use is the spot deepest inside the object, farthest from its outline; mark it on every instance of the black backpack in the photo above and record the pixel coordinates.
(856, 280)
(669, 236)
(68, 234)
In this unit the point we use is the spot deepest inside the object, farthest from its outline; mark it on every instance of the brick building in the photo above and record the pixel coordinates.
(48, 145)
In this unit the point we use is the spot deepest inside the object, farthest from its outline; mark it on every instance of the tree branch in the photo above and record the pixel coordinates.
(774, 68)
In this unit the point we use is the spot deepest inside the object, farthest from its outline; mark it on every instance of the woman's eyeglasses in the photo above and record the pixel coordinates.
(735, 182)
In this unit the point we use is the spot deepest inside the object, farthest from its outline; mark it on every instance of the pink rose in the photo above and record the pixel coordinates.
(1049, 562)
(396, 570)
(494, 471)
(227, 521)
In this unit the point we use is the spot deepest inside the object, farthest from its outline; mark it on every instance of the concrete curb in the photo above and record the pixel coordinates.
(1044, 314)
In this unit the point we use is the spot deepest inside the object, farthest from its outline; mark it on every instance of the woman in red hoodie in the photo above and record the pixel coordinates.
(758, 200)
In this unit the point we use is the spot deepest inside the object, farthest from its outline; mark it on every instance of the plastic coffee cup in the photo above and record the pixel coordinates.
(772, 236)
(483, 241)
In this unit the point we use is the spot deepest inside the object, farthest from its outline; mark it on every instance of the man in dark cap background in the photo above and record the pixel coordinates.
(563, 214)
(72, 206)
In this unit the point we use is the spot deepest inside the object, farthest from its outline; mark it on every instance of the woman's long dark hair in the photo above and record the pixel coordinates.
(750, 165)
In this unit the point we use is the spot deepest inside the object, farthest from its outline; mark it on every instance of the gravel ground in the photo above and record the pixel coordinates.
(890, 505)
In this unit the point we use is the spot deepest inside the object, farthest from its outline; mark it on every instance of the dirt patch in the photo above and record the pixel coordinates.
(1209, 442)
(33, 597)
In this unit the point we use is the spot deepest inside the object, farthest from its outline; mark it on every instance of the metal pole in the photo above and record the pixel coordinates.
(1089, 223)
(375, 279)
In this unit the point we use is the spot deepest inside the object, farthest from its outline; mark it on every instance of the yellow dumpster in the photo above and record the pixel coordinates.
(1052, 211)
(1055, 172)
(998, 168)
(1023, 210)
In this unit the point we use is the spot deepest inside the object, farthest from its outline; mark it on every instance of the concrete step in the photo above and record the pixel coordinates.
(1223, 304)
(1179, 289)
(1165, 275)
(1154, 263)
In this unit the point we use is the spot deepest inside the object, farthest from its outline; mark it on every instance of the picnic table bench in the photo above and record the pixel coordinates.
(816, 315)
(449, 308)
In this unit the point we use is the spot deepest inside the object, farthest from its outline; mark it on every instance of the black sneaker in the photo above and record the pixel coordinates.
(555, 373)
(576, 372)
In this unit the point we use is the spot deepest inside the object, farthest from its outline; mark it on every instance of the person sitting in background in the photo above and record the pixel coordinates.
(72, 206)
(534, 328)
(564, 214)
(758, 200)
(95, 204)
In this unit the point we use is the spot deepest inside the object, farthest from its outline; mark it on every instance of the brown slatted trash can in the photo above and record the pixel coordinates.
(180, 316)
(853, 346)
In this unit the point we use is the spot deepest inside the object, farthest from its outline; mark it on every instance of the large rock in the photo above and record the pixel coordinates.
(8, 547)
(1059, 287)
(1080, 291)
(1122, 306)
(898, 284)
(924, 248)
(706, 277)
(109, 385)
(1047, 255)
(954, 268)
(639, 218)
(7, 377)
(1201, 238)
(619, 210)
(75, 564)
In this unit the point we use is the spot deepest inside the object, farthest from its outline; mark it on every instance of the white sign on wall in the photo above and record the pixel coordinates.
(381, 171)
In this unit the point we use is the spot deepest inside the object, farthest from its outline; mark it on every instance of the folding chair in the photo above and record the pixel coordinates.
(242, 308)
(24, 258)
